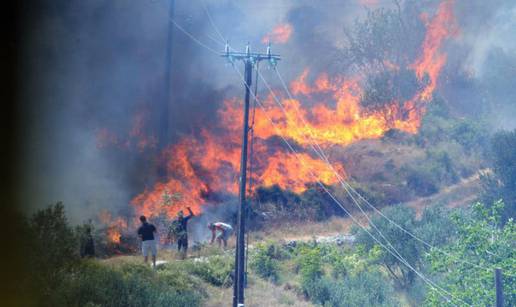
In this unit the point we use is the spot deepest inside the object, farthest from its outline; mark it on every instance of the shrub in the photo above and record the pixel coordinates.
(310, 266)
(265, 261)
(368, 288)
(483, 239)
(52, 248)
(96, 284)
(422, 181)
(216, 270)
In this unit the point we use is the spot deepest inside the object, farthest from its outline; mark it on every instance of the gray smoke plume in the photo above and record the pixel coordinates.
(90, 66)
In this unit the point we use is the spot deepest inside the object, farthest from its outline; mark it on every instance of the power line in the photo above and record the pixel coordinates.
(212, 22)
(347, 186)
(425, 279)
(434, 286)
(194, 38)
(398, 255)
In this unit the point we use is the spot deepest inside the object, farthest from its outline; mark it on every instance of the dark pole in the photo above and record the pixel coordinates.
(499, 288)
(164, 124)
(249, 60)
(238, 291)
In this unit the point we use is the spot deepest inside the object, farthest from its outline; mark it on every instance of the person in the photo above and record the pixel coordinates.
(180, 230)
(224, 232)
(87, 244)
(146, 233)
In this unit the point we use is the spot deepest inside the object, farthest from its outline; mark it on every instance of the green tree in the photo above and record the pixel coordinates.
(53, 248)
(481, 241)
(434, 228)
(501, 184)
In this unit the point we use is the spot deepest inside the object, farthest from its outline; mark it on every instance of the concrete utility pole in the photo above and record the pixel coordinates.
(163, 126)
(164, 116)
(499, 287)
(249, 59)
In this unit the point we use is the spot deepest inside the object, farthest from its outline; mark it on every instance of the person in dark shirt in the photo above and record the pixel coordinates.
(180, 230)
(87, 244)
(146, 233)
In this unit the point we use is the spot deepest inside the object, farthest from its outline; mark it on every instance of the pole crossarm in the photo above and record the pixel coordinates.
(252, 57)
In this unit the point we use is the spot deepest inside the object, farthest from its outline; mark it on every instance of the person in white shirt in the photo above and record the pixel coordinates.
(221, 232)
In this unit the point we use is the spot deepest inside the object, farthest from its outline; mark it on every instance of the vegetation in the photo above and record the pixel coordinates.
(95, 284)
(434, 227)
(501, 183)
(265, 261)
(216, 270)
(64, 279)
(481, 244)
(383, 266)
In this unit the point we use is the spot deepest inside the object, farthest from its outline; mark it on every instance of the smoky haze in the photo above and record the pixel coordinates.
(91, 68)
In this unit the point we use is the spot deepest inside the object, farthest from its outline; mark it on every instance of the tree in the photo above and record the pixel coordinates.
(481, 241)
(434, 227)
(381, 47)
(53, 248)
(501, 184)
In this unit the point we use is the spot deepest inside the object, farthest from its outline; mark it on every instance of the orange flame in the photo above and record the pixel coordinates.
(431, 61)
(115, 227)
(204, 167)
(279, 35)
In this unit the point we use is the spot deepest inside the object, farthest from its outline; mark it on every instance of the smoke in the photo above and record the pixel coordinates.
(92, 66)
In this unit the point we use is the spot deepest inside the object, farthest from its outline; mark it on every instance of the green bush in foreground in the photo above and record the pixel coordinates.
(368, 288)
(483, 240)
(216, 270)
(96, 284)
(264, 261)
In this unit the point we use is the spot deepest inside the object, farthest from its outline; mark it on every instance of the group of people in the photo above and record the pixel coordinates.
(178, 232)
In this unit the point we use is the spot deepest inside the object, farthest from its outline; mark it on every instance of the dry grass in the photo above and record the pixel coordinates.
(304, 231)
(259, 293)
(457, 195)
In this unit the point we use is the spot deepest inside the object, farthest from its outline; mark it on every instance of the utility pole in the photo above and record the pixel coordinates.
(249, 59)
(163, 127)
(499, 287)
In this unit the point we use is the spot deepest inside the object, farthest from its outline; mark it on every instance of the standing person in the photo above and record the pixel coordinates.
(87, 243)
(180, 229)
(146, 233)
(224, 232)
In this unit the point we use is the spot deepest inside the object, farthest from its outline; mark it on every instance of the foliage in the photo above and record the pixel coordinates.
(433, 226)
(368, 288)
(502, 183)
(310, 265)
(265, 260)
(275, 204)
(52, 248)
(481, 241)
(353, 281)
(387, 87)
(61, 278)
(216, 270)
(92, 283)
(383, 37)
(320, 205)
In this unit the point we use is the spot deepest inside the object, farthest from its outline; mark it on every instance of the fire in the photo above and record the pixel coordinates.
(279, 35)
(114, 227)
(431, 61)
(204, 168)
